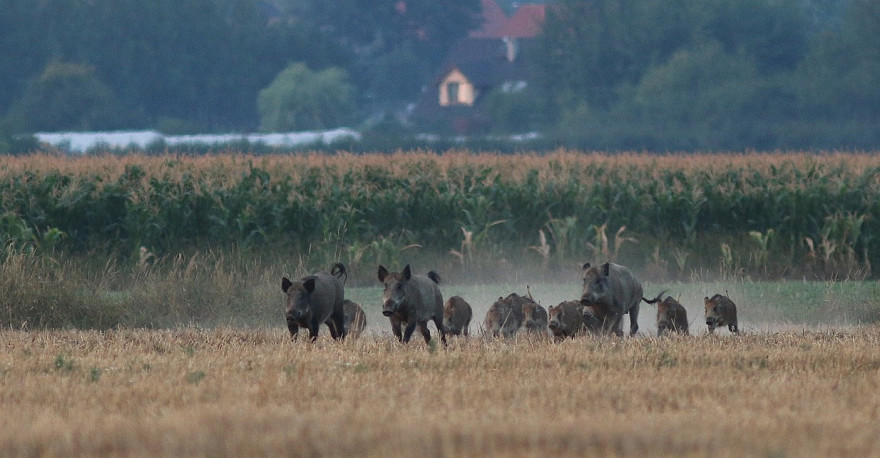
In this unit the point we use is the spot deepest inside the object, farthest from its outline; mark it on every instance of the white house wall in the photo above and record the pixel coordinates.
(466, 93)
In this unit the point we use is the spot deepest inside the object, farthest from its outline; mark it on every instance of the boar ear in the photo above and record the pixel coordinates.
(606, 268)
(706, 299)
(309, 284)
(383, 272)
(586, 265)
(285, 284)
(407, 273)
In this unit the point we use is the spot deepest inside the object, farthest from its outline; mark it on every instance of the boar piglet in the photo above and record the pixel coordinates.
(355, 319)
(671, 317)
(720, 311)
(571, 318)
(457, 314)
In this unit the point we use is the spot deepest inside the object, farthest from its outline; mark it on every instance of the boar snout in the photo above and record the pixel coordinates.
(297, 313)
(388, 308)
(588, 298)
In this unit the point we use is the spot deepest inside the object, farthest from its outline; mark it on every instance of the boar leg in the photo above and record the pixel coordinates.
(616, 324)
(634, 319)
(338, 320)
(442, 330)
(293, 328)
(395, 328)
(313, 330)
(331, 326)
(336, 326)
(407, 333)
(423, 327)
(733, 327)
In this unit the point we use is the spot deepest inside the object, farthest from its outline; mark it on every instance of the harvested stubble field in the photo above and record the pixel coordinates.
(238, 392)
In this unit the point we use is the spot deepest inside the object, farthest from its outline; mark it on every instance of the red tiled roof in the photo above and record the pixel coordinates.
(526, 22)
(494, 20)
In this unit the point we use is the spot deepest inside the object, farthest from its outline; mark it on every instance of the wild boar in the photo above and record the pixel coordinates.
(571, 318)
(535, 321)
(505, 316)
(313, 300)
(457, 314)
(413, 300)
(612, 291)
(355, 319)
(720, 311)
(671, 317)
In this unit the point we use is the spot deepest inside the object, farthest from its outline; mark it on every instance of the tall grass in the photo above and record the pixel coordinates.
(230, 393)
(205, 289)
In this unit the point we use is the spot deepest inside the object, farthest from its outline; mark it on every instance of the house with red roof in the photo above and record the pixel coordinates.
(489, 58)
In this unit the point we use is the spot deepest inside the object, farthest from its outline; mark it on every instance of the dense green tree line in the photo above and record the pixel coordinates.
(199, 65)
(608, 74)
(716, 74)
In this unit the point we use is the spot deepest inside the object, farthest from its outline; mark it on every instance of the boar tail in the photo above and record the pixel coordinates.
(338, 271)
(656, 299)
(434, 276)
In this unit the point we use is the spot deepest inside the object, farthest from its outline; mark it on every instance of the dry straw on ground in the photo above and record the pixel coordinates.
(231, 392)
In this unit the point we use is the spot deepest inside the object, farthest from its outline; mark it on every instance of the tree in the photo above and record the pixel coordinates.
(517, 110)
(302, 99)
(701, 98)
(772, 33)
(649, 72)
(66, 97)
(841, 74)
(23, 48)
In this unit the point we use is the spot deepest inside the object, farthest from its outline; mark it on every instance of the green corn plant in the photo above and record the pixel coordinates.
(543, 249)
(563, 235)
(760, 256)
(473, 244)
(601, 248)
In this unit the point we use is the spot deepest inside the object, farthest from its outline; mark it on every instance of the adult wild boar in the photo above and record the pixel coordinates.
(612, 291)
(412, 300)
(457, 314)
(720, 311)
(355, 319)
(671, 317)
(535, 321)
(571, 318)
(505, 316)
(313, 300)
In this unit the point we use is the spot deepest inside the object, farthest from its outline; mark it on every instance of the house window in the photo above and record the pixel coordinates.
(452, 93)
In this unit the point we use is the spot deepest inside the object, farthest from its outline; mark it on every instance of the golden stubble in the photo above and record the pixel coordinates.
(227, 392)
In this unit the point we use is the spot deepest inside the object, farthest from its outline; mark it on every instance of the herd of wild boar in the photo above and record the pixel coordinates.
(410, 301)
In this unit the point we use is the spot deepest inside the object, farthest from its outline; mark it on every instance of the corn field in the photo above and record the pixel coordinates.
(762, 215)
